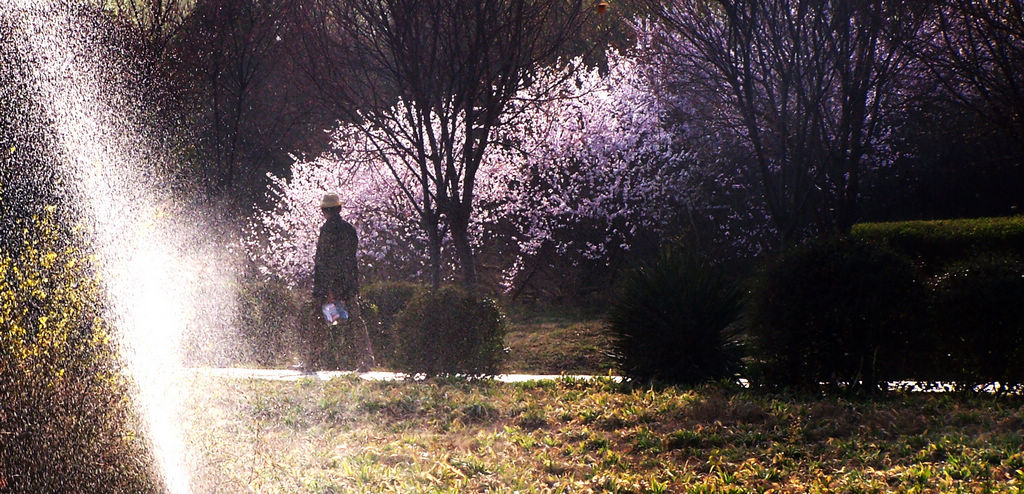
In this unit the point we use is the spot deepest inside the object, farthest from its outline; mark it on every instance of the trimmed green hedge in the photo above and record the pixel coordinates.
(837, 310)
(976, 319)
(270, 318)
(939, 242)
(382, 302)
(857, 310)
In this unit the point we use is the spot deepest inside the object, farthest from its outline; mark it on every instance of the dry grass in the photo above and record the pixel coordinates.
(348, 435)
(549, 341)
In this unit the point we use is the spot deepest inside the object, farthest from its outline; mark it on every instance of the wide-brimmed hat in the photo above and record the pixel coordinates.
(330, 201)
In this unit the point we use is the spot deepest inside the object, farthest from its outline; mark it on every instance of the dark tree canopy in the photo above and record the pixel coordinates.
(806, 86)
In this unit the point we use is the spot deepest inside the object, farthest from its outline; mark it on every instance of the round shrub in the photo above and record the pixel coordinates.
(978, 314)
(670, 319)
(382, 302)
(836, 310)
(449, 331)
(269, 318)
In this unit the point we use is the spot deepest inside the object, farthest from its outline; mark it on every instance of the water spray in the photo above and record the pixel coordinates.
(147, 249)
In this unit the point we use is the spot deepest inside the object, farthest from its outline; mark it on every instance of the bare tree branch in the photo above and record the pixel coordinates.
(452, 67)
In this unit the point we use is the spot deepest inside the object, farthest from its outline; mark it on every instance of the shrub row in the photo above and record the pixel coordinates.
(841, 311)
(411, 328)
(269, 321)
(382, 303)
(859, 313)
(934, 244)
(833, 311)
(976, 310)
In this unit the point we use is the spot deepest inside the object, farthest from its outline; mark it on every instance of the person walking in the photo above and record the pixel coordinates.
(335, 279)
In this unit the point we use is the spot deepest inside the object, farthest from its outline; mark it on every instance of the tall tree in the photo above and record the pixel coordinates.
(432, 79)
(583, 176)
(974, 49)
(155, 22)
(806, 86)
(245, 103)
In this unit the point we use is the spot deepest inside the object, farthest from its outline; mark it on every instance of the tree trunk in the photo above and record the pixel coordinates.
(464, 248)
(435, 255)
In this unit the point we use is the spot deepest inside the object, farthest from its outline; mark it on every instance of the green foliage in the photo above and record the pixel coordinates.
(938, 242)
(382, 302)
(836, 310)
(270, 316)
(970, 333)
(977, 313)
(65, 421)
(670, 321)
(449, 331)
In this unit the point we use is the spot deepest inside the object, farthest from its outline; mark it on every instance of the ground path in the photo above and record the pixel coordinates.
(295, 375)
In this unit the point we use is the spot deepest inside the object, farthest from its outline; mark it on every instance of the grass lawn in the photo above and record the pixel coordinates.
(556, 341)
(348, 435)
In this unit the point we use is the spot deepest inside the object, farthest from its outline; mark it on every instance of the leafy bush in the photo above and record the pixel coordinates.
(939, 242)
(978, 314)
(670, 321)
(968, 333)
(269, 319)
(65, 420)
(449, 331)
(382, 302)
(836, 310)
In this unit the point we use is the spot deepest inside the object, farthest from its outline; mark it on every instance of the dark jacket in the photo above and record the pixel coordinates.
(334, 265)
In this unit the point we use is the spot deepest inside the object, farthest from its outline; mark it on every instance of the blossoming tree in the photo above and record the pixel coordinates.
(586, 169)
(583, 166)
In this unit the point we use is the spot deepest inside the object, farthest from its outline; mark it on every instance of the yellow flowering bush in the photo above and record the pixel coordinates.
(48, 303)
(66, 424)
